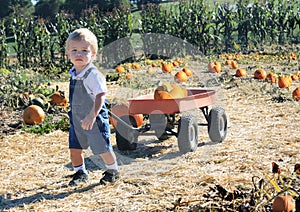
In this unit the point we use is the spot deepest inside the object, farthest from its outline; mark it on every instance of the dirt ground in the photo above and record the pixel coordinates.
(156, 177)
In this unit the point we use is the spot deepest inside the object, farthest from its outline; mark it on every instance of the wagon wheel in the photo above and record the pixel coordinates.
(158, 124)
(217, 124)
(187, 133)
(124, 134)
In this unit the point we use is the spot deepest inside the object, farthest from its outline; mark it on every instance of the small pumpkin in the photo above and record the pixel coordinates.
(120, 69)
(218, 67)
(260, 74)
(284, 81)
(296, 94)
(58, 98)
(241, 73)
(187, 71)
(234, 64)
(135, 66)
(283, 204)
(33, 114)
(175, 64)
(180, 76)
(228, 62)
(169, 91)
(167, 67)
(272, 77)
(122, 109)
(211, 66)
(294, 77)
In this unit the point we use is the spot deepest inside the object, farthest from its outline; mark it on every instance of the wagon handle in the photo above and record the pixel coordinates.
(122, 121)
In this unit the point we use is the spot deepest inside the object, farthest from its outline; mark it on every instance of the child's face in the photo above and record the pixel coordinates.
(80, 53)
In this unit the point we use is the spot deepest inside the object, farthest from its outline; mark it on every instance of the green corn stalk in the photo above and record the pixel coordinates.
(4, 59)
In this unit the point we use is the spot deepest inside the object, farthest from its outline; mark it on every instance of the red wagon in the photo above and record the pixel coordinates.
(168, 117)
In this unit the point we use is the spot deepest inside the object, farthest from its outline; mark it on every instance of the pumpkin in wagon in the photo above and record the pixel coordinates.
(33, 114)
(169, 91)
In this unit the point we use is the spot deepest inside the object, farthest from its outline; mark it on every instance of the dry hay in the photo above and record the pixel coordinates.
(155, 176)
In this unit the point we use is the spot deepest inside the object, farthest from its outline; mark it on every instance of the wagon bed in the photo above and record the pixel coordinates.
(146, 104)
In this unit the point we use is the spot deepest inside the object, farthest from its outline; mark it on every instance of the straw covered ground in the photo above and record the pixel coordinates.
(261, 129)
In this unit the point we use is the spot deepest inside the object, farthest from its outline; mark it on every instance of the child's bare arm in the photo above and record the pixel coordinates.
(88, 122)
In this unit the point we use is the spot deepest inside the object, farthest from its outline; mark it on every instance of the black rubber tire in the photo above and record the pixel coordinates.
(123, 135)
(158, 124)
(187, 133)
(217, 124)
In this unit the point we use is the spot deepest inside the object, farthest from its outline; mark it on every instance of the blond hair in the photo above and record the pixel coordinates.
(83, 34)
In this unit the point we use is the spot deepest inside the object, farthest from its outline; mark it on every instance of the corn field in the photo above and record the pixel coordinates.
(240, 27)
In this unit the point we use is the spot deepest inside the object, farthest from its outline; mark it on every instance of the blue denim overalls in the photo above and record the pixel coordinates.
(81, 103)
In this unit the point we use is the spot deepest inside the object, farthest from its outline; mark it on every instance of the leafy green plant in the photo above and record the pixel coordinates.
(3, 46)
(49, 125)
(19, 82)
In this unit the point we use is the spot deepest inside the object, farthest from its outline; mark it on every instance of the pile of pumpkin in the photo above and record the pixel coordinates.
(283, 81)
(181, 75)
(35, 113)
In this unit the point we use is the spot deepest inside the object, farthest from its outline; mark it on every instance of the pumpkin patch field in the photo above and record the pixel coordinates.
(258, 161)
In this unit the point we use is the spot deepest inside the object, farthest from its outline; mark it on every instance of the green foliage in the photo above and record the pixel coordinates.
(3, 46)
(8, 6)
(47, 9)
(49, 125)
(19, 82)
(228, 27)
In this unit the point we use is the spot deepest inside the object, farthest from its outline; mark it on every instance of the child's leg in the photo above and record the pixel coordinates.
(77, 160)
(112, 173)
(108, 158)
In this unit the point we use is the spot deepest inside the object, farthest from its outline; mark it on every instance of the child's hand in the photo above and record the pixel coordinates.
(88, 122)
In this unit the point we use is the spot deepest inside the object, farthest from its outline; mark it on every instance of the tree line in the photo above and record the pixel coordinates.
(47, 9)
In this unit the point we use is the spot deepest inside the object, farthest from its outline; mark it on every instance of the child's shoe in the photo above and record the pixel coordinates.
(110, 176)
(79, 177)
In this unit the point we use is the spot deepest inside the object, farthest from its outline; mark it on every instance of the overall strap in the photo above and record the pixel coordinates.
(87, 72)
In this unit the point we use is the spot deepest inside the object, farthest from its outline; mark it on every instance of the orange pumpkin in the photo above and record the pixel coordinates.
(294, 77)
(228, 62)
(218, 67)
(272, 77)
(135, 66)
(175, 63)
(260, 74)
(128, 76)
(33, 114)
(241, 73)
(283, 203)
(167, 67)
(284, 82)
(122, 109)
(169, 91)
(58, 98)
(120, 69)
(296, 94)
(211, 66)
(187, 71)
(180, 76)
(234, 64)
